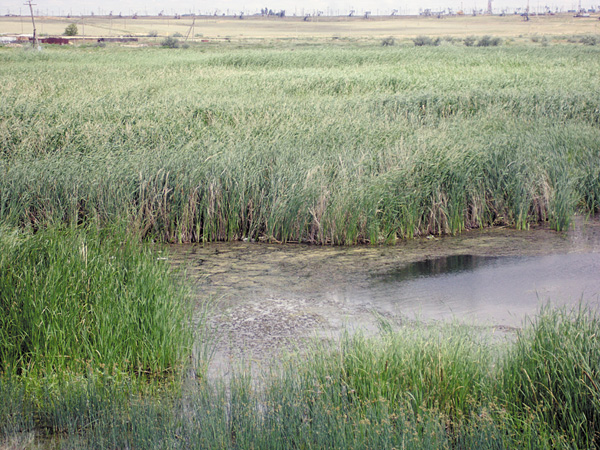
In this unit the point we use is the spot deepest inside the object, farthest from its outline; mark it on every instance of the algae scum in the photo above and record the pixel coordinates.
(269, 296)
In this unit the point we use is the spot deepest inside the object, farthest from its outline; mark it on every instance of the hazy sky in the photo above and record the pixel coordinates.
(63, 7)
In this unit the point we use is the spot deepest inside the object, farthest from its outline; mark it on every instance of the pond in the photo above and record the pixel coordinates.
(268, 295)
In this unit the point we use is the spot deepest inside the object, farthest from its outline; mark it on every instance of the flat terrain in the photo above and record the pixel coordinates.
(316, 28)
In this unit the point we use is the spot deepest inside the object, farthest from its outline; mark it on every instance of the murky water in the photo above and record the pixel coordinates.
(270, 294)
(484, 289)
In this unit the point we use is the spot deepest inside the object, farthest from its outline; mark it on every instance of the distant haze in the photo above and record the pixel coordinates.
(326, 7)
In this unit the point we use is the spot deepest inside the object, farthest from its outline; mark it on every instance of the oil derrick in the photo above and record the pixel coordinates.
(489, 7)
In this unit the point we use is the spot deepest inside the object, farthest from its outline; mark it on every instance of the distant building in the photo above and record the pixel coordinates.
(54, 40)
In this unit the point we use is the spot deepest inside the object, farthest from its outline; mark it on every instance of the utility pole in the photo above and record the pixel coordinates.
(31, 5)
(191, 30)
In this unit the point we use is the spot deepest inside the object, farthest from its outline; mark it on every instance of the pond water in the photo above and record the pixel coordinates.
(268, 295)
(494, 290)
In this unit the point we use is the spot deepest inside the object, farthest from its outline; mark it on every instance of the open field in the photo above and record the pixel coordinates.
(317, 28)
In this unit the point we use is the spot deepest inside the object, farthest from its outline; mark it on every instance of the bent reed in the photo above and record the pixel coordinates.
(321, 145)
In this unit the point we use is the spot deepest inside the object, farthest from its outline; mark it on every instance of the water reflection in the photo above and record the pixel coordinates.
(490, 290)
(438, 266)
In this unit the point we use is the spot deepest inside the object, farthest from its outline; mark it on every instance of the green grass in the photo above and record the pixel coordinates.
(554, 369)
(90, 320)
(324, 145)
(419, 387)
(74, 302)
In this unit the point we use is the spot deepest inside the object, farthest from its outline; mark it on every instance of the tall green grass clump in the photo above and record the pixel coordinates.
(553, 372)
(439, 368)
(78, 301)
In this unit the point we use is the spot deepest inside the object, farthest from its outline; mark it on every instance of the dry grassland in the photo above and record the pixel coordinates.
(315, 28)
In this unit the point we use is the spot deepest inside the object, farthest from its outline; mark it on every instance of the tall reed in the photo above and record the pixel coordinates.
(331, 145)
(553, 370)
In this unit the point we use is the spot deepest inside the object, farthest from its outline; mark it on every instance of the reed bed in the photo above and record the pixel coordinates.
(420, 387)
(323, 145)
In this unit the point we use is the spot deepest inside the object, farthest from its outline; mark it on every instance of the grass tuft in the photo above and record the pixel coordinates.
(75, 301)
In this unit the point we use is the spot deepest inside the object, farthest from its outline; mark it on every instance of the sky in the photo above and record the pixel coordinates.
(329, 7)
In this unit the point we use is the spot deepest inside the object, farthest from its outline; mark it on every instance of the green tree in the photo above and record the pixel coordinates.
(71, 30)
